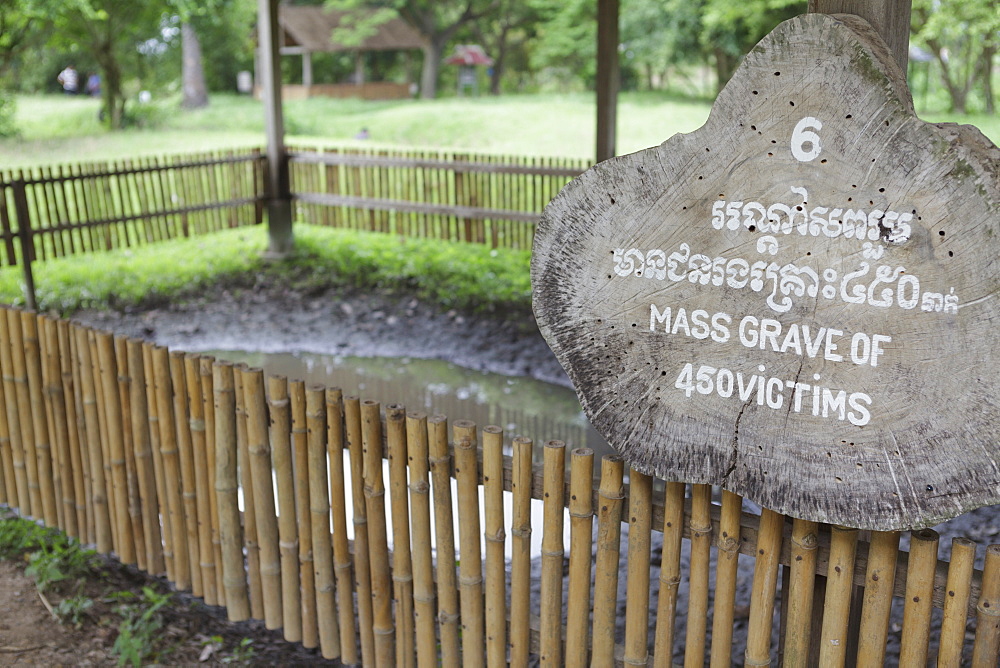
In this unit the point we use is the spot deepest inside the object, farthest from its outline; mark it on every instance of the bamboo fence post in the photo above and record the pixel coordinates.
(319, 505)
(670, 573)
(839, 589)
(25, 413)
(879, 582)
(470, 567)
(57, 400)
(701, 550)
(66, 365)
(801, 590)
(102, 420)
(12, 390)
(341, 551)
(921, 565)
(423, 562)
(10, 496)
(362, 569)
(171, 466)
(89, 527)
(144, 458)
(496, 538)
(134, 499)
(303, 504)
(259, 450)
(159, 470)
(640, 511)
(550, 604)
(581, 518)
(444, 532)
(234, 576)
(378, 543)
(98, 486)
(249, 507)
(280, 433)
(178, 382)
(986, 648)
(765, 580)
(196, 412)
(609, 529)
(520, 567)
(208, 401)
(45, 451)
(40, 427)
(402, 567)
(956, 602)
(116, 445)
(728, 544)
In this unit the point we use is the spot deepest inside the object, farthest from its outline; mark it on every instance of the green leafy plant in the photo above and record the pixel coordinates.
(73, 610)
(242, 653)
(140, 625)
(52, 555)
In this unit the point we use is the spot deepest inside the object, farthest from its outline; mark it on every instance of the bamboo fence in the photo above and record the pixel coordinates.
(238, 488)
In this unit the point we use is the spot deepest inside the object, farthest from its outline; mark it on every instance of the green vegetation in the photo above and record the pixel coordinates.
(138, 633)
(462, 276)
(52, 556)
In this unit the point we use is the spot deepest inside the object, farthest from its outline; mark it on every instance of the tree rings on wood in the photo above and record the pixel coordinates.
(796, 301)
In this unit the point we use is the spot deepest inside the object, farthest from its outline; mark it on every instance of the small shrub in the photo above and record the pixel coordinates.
(73, 610)
(141, 624)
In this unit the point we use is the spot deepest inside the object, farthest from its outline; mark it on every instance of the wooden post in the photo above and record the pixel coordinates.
(279, 203)
(607, 77)
(890, 18)
(27, 244)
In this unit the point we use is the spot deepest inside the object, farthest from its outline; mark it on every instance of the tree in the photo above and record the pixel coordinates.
(507, 30)
(195, 94)
(436, 20)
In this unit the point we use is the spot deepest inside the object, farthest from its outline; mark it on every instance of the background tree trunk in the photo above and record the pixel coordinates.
(432, 64)
(192, 70)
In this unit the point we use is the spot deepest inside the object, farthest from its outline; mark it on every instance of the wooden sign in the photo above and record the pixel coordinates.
(799, 300)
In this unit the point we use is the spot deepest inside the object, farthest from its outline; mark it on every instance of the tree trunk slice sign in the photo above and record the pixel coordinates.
(797, 301)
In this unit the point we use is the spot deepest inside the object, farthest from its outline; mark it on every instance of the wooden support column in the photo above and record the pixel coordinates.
(607, 77)
(279, 200)
(890, 18)
(307, 68)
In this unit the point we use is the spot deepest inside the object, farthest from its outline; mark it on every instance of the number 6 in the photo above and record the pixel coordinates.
(802, 136)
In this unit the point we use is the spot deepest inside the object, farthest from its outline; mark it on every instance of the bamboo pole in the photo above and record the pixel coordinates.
(550, 605)
(765, 579)
(208, 400)
(402, 566)
(378, 544)
(837, 603)
(66, 366)
(423, 563)
(880, 579)
(40, 427)
(362, 569)
(319, 504)
(303, 502)
(444, 532)
(98, 486)
(12, 385)
(171, 466)
(159, 472)
(102, 420)
(6, 452)
(145, 476)
(581, 518)
(47, 415)
(234, 577)
(920, 567)
(280, 433)
(670, 573)
(701, 547)
(61, 430)
(134, 499)
(609, 529)
(801, 591)
(116, 445)
(728, 544)
(496, 538)
(26, 416)
(178, 382)
(263, 495)
(520, 568)
(956, 602)
(341, 551)
(470, 567)
(986, 648)
(640, 511)
(251, 544)
(85, 510)
(196, 411)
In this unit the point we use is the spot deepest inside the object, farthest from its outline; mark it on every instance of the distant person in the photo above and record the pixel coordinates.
(70, 80)
(363, 134)
(94, 85)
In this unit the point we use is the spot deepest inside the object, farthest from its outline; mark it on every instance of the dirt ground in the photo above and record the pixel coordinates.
(274, 319)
